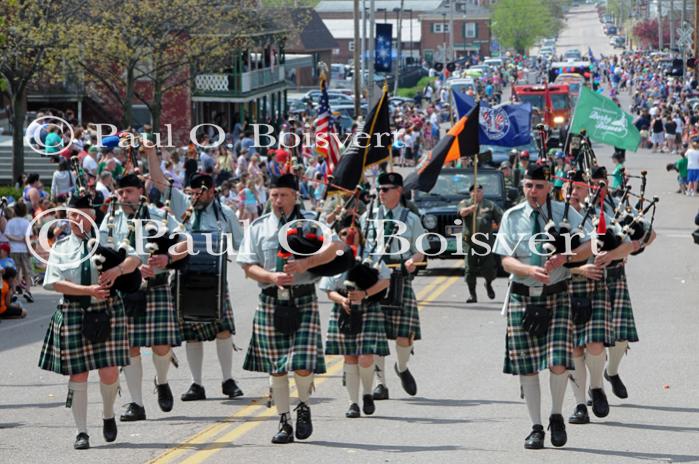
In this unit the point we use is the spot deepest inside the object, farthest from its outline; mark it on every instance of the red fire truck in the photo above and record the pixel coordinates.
(551, 104)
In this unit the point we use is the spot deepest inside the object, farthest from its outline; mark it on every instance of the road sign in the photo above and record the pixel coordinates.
(684, 35)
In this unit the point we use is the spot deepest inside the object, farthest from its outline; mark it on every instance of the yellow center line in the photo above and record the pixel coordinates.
(259, 410)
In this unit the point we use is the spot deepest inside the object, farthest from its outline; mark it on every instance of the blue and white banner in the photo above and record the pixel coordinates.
(383, 48)
(507, 125)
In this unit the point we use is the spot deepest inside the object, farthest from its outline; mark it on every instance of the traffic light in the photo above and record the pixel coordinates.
(438, 67)
(451, 67)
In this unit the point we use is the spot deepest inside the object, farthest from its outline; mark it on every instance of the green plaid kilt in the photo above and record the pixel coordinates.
(371, 340)
(206, 331)
(67, 352)
(599, 328)
(275, 353)
(159, 326)
(622, 311)
(404, 323)
(525, 354)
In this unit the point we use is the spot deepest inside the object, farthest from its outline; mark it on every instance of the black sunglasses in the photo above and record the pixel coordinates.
(386, 189)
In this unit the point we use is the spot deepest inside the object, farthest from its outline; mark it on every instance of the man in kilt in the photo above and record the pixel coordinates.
(66, 350)
(286, 334)
(623, 322)
(402, 326)
(539, 324)
(153, 320)
(358, 341)
(209, 215)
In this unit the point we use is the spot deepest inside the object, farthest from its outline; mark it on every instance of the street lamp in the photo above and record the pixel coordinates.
(444, 36)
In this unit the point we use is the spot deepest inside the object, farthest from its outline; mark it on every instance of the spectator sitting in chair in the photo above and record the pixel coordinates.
(8, 308)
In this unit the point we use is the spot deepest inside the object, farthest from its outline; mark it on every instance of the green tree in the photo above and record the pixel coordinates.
(519, 24)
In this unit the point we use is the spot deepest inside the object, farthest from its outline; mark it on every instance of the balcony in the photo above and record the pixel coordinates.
(238, 85)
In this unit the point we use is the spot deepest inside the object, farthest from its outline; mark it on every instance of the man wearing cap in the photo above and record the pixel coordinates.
(208, 215)
(506, 169)
(153, 322)
(401, 326)
(539, 325)
(286, 334)
(488, 217)
(66, 350)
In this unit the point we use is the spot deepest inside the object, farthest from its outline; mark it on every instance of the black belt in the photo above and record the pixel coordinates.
(156, 281)
(614, 273)
(525, 290)
(297, 291)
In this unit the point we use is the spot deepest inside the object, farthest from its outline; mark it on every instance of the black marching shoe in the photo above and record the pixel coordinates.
(535, 440)
(133, 413)
(380, 392)
(285, 433)
(231, 389)
(618, 386)
(600, 406)
(82, 441)
(195, 393)
(580, 415)
(472, 298)
(557, 426)
(304, 426)
(489, 290)
(368, 405)
(109, 430)
(407, 380)
(165, 400)
(353, 411)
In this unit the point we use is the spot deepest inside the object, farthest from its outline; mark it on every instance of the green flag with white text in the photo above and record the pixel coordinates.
(604, 121)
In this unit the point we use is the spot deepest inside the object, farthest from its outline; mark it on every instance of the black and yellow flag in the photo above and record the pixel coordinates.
(371, 146)
(460, 142)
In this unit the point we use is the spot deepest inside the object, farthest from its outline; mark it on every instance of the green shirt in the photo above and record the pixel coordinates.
(488, 213)
(618, 177)
(681, 165)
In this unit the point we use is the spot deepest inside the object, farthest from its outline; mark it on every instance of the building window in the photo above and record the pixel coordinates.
(428, 55)
(350, 46)
(470, 30)
(440, 28)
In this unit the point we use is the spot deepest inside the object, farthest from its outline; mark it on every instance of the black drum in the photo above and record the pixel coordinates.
(200, 287)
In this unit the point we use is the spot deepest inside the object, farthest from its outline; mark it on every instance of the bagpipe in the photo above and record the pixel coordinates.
(630, 218)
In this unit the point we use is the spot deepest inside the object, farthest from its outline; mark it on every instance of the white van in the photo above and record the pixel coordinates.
(495, 63)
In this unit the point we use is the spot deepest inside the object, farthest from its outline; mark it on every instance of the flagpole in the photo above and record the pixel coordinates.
(373, 125)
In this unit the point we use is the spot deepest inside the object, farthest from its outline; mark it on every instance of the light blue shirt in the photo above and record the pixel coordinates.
(516, 230)
(226, 223)
(413, 230)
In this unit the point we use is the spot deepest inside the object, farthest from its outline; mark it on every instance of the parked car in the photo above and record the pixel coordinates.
(334, 97)
(438, 207)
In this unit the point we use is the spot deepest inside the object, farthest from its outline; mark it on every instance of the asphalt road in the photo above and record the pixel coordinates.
(466, 410)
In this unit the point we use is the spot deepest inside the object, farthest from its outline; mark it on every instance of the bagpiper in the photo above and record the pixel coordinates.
(88, 330)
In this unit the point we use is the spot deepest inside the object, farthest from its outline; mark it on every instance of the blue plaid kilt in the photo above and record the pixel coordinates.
(206, 331)
(159, 326)
(406, 322)
(65, 351)
(272, 352)
(525, 354)
(622, 311)
(599, 328)
(371, 340)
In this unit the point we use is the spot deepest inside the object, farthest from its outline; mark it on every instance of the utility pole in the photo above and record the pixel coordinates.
(399, 46)
(696, 37)
(660, 25)
(355, 57)
(371, 58)
(672, 24)
(452, 4)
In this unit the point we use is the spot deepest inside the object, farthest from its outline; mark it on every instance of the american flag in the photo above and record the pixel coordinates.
(324, 126)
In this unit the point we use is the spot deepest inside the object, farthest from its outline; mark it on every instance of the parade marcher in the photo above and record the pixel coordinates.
(152, 318)
(209, 215)
(539, 324)
(356, 328)
(402, 326)
(618, 289)
(76, 344)
(488, 217)
(286, 335)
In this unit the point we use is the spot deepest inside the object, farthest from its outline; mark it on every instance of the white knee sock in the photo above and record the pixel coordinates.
(303, 386)
(109, 394)
(380, 363)
(134, 379)
(578, 380)
(224, 348)
(162, 365)
(616, 352)
(596, 365)
(79, 405)
(532, 396)
(280, 393)
(557, 383)
(351, 374)
(367, 376)
(195, 359)
(403, 355)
